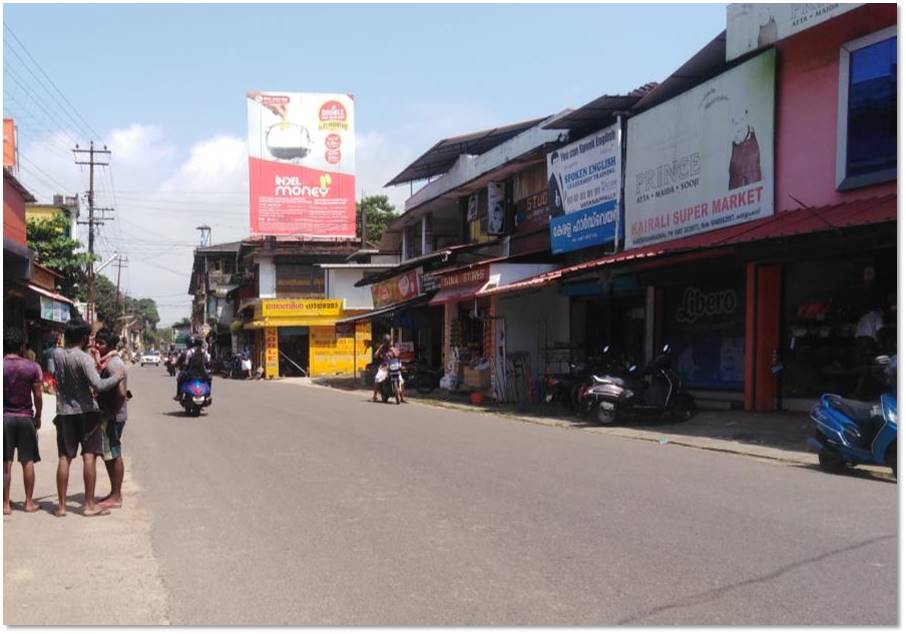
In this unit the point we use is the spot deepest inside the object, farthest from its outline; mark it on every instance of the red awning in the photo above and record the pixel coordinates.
(461, 294)
(50, 294)
(782, 224)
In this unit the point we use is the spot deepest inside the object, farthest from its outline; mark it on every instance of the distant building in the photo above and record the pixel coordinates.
(66, 206)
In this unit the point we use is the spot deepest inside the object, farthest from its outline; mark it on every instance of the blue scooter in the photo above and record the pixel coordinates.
(857, 432)
(194, 394)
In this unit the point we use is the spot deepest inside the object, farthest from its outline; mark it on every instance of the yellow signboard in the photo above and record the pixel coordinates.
(330, 354)
(271, 354)
(297, 307)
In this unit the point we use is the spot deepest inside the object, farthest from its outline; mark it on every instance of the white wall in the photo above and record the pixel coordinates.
(534, 321)
(341, 285)
(267, 277)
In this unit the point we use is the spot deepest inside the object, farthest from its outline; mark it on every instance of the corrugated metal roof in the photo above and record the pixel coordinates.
(782, 224)
(443, 155)
(600, 110)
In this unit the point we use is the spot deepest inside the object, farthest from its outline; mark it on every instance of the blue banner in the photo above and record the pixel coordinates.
(590, 227)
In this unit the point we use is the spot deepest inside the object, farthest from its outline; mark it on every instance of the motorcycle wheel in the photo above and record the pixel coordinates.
(683, 411)
(891, 459)
(605, 416)
(385, 395)
(830, 461)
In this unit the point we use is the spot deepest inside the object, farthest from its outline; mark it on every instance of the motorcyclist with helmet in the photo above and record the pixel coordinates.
(193, 363)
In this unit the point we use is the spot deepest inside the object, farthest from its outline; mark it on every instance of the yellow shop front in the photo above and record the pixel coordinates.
(300, 337)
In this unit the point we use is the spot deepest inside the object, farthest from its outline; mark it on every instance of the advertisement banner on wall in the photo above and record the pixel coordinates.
(496, 208)
(301, 164)
(752, 26)
(397, 289)
(705, 159)
(9, 143)
(705, 324)
(584, 191)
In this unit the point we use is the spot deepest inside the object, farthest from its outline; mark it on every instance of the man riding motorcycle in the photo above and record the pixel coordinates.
(194, 363)
(382, 356)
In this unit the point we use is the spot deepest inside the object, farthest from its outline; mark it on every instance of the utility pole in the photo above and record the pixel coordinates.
(92, 162)
(121, 260)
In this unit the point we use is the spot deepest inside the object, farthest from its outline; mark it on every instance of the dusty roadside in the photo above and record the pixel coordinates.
(78, 570)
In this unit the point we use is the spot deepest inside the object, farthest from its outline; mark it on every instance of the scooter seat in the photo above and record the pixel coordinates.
(859, 412)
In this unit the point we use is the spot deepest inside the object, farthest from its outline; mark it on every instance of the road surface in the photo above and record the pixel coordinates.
(301, 505)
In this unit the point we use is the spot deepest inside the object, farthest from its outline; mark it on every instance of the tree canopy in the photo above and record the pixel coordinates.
(379, 213)
(54, 249)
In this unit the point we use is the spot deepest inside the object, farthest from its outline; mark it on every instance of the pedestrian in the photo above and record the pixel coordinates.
(381, 356)
(246, 360)
(113, 410)
(78, 419)
(22, 408)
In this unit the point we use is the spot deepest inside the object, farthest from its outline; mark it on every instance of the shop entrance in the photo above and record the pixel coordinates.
(617, 322)
(294, 348)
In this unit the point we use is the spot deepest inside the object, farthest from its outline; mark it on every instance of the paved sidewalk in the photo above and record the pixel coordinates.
(779, 436)
(78, 570)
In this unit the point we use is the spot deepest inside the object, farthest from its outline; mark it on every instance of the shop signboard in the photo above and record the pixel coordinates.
(705, 159)
(705, 324)
(458, 279)
(584, 191)
(397, 289)
(46, 308)
(753, 26)
(496, 208)
(472, 208)
(291, 307)
(532, 212)
(271, 353)
(429, 282)
(301, 164)
(332, 353)
(406, 350)
(299, 280)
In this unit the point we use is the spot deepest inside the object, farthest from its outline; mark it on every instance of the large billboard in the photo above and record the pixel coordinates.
(584, 191)
(752, 26)
(704, 159)
(302, 164)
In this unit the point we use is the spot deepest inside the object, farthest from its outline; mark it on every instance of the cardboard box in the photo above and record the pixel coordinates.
(478, 379)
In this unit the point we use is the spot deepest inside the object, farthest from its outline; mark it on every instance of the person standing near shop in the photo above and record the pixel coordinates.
(22, 408)
(113, 409)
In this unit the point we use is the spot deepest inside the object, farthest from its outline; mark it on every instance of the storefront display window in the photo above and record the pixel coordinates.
(705, 323)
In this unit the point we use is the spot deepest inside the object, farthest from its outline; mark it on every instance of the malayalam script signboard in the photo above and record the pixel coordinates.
(301, 164)
(704, 159)
(397, 289)
(584, 191)
(752, 26)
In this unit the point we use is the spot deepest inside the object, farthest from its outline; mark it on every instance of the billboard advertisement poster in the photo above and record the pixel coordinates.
(9, 143)
(496, 208)
(301, 164)
(584, 191)
(703, 160)
(752, 26)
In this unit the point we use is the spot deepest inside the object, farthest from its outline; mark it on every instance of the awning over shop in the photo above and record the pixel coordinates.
(386, 310)
(782, 224)
(49, 294)
(460, 294)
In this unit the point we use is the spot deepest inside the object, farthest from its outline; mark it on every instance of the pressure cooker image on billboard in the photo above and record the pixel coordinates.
(703, 160)
(301, 164)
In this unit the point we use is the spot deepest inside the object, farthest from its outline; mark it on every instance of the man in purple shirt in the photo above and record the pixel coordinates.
(22, 381)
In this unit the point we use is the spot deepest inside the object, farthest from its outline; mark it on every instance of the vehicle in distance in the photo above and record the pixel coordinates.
(149, 357)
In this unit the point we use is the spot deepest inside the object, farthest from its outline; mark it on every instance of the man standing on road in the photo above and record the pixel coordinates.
(22, 384)
(78, 419)
(113, 410)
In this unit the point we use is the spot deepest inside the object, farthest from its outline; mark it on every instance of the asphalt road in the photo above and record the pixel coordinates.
(293, 505)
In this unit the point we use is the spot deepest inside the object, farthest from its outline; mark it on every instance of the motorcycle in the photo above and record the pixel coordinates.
(656, 391)
(570, 389)
(424, 379)
(392, 384)
(857, 432)
(194, 395)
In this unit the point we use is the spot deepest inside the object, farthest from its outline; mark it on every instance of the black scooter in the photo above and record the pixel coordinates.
(652, 393)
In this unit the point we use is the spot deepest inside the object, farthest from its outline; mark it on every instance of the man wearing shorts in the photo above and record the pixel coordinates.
(113, 409)
(78, 419)
(22, 382)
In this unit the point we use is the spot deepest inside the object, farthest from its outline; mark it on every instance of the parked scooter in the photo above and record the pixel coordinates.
(652, 393)
(194, 395)
(391, 386)
(858, 432)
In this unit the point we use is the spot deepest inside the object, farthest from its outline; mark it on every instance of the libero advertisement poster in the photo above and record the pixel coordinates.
(584, 191)
(703, 160)
(301, 164)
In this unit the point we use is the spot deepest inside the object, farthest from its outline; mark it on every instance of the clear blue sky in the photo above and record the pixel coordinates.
(418, 72)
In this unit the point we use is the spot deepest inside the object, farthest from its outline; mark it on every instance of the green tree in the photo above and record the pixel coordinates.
(106, 306)
(379, 213)
(53, 249)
